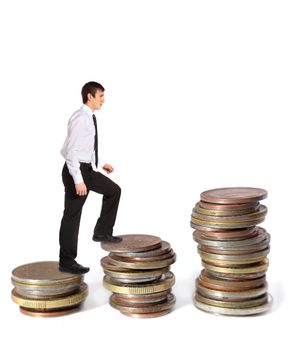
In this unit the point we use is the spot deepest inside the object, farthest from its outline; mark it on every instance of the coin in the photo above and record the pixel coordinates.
(111, 266)
(142, 265)
(144, 307)
(164, 248)
(233, 195)
(210, 281)
(227, 234)
(43, 280)
(196, 223)
(142, 298)
(260, 266)
(52, 303)
(167, 255)
(43, 273)
(231, 295)
(49, 313)
(253, 302)
(133, 243)
(166, 282)
(137, 273)
(147, 315)
(260, 213)
(233, 251)
(225, 211)
(231, 207)
(134, 276)
(234, 259)
(260, 238)
(233, 311)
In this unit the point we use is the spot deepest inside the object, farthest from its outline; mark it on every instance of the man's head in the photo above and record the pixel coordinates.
(93, 95)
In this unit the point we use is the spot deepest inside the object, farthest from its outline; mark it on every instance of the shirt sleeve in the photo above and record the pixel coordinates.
(75, 129)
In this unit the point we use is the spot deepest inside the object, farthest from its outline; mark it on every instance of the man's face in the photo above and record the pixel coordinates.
(97, 100)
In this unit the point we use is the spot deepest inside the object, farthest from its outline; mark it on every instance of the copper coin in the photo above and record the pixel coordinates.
(144, 308)
(49, 313)
(208, 280)
(231, 207)
(165, 247)
(142, 298)
(233, 195)
(133, 243)
(117, 257)
(231, 295)
(111, 266)
(146, 315)
(229, 235)
(143, 265)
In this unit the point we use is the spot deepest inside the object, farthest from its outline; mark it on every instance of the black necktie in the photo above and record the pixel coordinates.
(95, 140)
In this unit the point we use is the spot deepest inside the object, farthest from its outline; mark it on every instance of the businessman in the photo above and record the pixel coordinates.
(80, 151)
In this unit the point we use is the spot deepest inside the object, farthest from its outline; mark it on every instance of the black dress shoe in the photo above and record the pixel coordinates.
(73, 268)
(106, 238)
(112, 239)
(98, 238)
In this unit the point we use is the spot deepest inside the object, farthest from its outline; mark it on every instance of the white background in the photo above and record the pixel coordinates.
(196, 98)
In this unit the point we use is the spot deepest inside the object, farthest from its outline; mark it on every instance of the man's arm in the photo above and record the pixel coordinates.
(75, 128)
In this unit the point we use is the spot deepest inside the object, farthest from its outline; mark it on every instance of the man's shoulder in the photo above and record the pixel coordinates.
(77, 115)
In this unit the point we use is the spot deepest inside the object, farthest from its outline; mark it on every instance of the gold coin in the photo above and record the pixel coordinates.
(260, 267)
(158, 286)
(53, 303)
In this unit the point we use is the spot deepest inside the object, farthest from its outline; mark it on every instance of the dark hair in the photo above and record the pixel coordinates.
(90, 88)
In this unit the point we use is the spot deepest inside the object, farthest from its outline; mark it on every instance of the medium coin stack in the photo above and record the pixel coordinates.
(40, 289)
(233, 250)
(137, 272)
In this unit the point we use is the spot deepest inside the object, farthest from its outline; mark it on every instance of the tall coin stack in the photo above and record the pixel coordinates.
(233, 251)
(137, 272)
(40, 289)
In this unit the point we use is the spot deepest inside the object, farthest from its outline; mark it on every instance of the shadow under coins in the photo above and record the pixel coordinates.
(97, 296)
(183, 291)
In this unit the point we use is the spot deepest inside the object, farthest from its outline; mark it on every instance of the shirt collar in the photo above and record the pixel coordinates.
(87, 110)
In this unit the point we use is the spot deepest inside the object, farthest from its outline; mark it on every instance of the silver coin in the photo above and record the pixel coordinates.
(260, 237)
(210, 256)
(225, 295)
(41, 292)
(235, 312)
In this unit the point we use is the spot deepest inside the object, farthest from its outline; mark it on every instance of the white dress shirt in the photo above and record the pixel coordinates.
(79, 143)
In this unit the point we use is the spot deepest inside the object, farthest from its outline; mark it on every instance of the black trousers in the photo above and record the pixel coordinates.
(94, 181)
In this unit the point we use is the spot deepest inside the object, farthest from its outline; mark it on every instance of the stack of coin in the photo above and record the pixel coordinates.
(40, 289)
(137, 272)
(233, 250)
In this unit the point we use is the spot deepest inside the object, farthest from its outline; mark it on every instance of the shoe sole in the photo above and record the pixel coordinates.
(63, 269)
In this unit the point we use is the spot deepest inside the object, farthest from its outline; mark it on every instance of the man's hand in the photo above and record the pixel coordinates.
(81, 189)
(108, 168)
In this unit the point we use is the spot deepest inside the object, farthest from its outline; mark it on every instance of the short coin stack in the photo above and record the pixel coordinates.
(137, 273)
(42, 290)
(233, 251)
